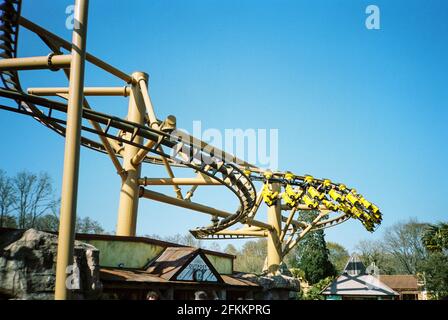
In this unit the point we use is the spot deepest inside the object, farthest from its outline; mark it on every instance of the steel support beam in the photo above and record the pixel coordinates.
(67, 46)
(287, 223)
(274, 257)
(242, 232)
(109, 144)
(152, 195)
(153, 123)
(291, 244)
(89, 91)
(36, 63)
(203, 181)
(71, 155)
(129, 194)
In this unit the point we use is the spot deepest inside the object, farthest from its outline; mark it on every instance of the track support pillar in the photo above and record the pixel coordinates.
(274, 257)
(69, 196)
(129, 193)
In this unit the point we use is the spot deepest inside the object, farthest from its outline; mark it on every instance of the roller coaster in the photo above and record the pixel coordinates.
(143, 139)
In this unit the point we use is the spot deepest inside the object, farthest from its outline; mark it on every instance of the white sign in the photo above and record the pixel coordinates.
(197, 270)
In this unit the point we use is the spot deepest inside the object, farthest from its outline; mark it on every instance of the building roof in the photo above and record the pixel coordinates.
(172, 266)
(117, 277)
(354, 266)
(107, 237)
(171, 260)
(184, 263)
(401, 282)
(355, 282)
(358, 285)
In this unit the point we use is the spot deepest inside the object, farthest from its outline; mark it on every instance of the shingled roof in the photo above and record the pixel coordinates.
(172, 267)
(401, 282)
(169, 262)
(173, 260)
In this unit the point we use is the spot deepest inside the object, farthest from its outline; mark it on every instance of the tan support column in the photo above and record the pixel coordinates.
(71, 155)
(129, 194)
(274, 257)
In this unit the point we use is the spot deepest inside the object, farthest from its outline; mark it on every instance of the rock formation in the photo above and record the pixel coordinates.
(28, 266)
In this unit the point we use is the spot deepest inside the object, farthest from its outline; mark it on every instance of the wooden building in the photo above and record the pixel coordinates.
(130, 267)
(407, 285)
(356, 284)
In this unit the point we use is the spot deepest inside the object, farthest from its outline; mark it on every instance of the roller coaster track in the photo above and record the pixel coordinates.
(183, 152)
(299, 191)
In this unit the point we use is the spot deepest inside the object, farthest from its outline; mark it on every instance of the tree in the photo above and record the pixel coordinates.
(6, 201)
(338, 256)
(230, 249)
(48, 222)
(34, 197)
(311, 254)
(435, 237)
(435, 267)
(314, 293)
(183, 239)
(88, 225)
(30, 197)
(404, 242)
(435, 273)
(251, 257)
(374, 252)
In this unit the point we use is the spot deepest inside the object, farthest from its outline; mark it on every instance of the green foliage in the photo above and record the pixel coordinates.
(297, 273)
(399, 252)
(412, 248)
(403, 242)
(230, 249)
(48, 222)
(435, 237)
(311, 254)
(435, 273)
(338, 256)
(251, 257)
(435, 267)
(314, 293)
(88, 225)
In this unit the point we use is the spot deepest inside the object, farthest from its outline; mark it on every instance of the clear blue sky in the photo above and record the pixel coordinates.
(364, 107)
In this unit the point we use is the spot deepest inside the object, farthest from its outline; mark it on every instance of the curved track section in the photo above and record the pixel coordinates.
(322, 194)
(182, 152)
